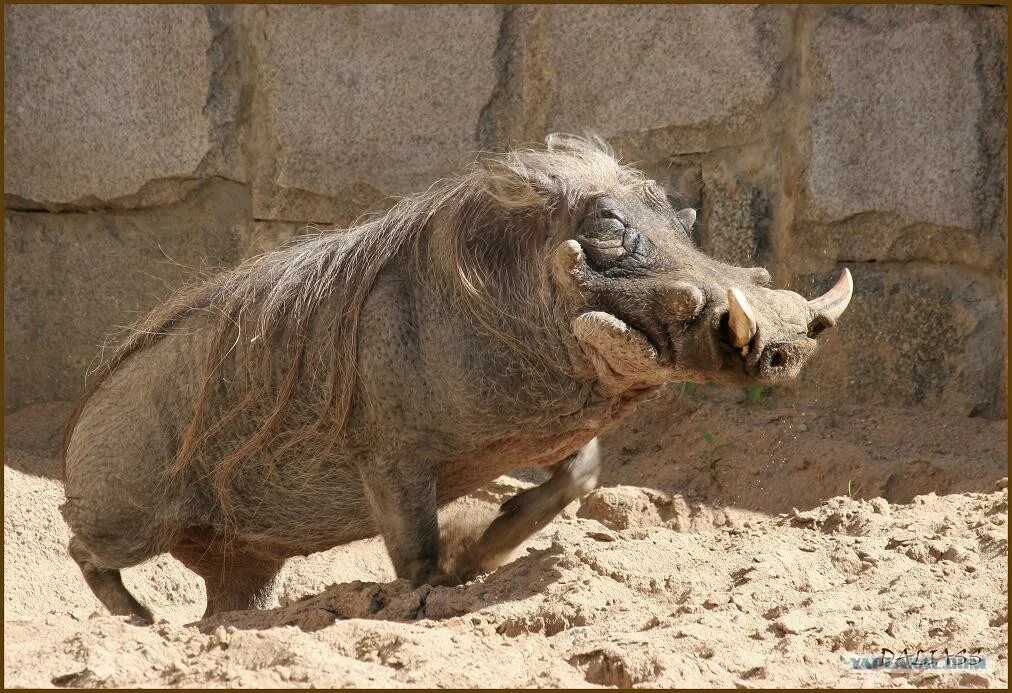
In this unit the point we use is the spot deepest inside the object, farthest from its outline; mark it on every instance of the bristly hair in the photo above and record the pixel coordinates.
(481, 237)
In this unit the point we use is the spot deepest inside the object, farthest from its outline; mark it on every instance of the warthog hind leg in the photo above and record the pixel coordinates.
(107, 584)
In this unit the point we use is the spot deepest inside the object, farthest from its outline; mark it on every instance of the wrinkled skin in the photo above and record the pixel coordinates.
(441, 407)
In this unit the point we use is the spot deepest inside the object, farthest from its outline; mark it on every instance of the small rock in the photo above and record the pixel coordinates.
(900, 538)
(880, 506)
(714, 599)
(802, 517)
(795, 622)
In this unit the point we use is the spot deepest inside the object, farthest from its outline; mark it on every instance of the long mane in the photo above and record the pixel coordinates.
(481, 237)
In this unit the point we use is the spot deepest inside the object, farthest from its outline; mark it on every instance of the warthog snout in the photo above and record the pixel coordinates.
(783, 360)
(766, 345)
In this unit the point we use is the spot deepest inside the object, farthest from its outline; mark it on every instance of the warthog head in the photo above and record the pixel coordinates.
(647, 306)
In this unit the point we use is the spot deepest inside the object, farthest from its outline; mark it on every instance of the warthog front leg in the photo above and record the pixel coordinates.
(529, 511)
(402, 499)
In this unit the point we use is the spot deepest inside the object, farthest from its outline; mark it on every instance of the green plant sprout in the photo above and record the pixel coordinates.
(753, 393)
(712, 451)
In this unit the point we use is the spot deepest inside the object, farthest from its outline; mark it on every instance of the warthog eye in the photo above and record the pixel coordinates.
(610, 243)
(607, 213)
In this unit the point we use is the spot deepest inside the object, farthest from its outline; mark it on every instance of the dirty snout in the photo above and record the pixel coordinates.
(769, 335)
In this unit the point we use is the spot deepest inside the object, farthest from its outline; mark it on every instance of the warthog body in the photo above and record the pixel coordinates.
(352, 383)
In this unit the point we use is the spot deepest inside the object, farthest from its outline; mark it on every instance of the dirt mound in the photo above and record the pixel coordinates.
(637, 585)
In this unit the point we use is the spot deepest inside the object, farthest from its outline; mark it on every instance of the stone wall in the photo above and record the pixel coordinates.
(144, 143)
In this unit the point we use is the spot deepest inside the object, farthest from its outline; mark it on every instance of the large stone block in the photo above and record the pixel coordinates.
(907, 171)
(737, 215)
(878, 237)
(74, 280)
(372, 100)
(100, 99)
(636, 68)
(915, 335)
(895, 126)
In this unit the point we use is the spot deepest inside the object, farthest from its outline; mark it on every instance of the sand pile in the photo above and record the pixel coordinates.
(670, 582)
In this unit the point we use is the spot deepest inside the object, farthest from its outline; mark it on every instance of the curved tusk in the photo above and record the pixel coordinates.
(740, 318)
(830, 305)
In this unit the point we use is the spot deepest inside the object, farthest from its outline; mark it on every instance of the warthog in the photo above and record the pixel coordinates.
(353, 383)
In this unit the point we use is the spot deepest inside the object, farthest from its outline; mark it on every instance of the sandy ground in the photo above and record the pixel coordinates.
(731, 544)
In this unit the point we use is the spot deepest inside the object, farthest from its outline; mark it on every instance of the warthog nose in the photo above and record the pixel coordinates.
(785, 359)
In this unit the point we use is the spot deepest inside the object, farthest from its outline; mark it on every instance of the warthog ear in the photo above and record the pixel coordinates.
(618, 352)
(687, 217)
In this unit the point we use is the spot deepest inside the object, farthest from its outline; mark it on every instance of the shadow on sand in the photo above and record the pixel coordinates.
(398, 600)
